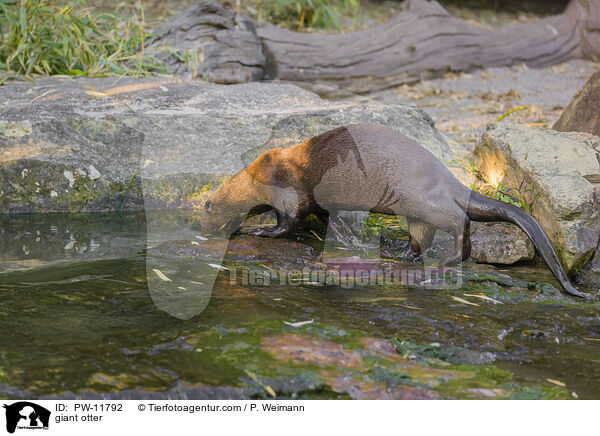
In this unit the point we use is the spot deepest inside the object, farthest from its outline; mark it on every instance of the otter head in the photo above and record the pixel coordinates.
(227, 207)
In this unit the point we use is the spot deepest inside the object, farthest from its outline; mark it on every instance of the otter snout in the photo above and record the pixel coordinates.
(216, 216)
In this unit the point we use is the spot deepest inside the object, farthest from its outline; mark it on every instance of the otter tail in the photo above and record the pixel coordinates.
(482, 208)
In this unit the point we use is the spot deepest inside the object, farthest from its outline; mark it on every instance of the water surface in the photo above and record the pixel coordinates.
(78, 320)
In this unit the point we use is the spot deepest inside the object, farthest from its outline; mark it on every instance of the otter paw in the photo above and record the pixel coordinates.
(408, 254)
(260, 232)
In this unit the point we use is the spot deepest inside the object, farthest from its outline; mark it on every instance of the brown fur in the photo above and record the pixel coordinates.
(370, 168)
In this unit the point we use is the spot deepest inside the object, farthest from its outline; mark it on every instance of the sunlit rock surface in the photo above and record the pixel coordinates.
(556, 175)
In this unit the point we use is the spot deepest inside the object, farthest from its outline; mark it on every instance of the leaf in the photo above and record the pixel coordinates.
(255, 378)
(202, 238)
(462, 300)
(411, 307)
(162, 276)
(299, 323)
(556, 382)
(484, 297)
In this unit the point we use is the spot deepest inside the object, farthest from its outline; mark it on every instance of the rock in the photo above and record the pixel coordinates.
(248, 250)
(129, 144)
(500, 243)
(583, 112)
(308, 349)
(556, 175)
(590, 273)
(209, 41)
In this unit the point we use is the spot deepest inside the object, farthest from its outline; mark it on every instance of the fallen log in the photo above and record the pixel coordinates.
(423, 41)
(211, 42)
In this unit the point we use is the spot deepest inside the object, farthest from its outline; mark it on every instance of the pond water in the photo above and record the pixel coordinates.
(78, 320)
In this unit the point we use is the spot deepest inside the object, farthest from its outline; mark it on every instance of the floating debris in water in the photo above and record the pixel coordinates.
(161, 275)
(202, 238)
(299, 323)
(411, 307)
(218, 266)
(556, 382)
(316, 236)
(484, 297)
(462, 300)
(267, 388)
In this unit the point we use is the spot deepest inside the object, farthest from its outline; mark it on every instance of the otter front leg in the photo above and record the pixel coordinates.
(285, 225)
(421, 237)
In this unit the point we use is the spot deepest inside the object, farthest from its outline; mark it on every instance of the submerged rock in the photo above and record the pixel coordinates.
(280, 253)
(555, 176)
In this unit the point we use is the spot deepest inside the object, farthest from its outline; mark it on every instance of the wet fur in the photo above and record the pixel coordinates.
(389, 174)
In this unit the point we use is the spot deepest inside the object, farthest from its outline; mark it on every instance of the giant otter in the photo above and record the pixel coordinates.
(369, 168)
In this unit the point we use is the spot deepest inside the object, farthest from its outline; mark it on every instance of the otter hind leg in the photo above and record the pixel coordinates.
(466, 240)
(285, 225)
(421, 237)
(462, 242)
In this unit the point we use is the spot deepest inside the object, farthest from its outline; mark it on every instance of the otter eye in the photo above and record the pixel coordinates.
(208, 206)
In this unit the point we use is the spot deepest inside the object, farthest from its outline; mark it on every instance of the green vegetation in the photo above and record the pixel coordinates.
(520, 197)
(55, 37)
(297, 14)
(523, 196)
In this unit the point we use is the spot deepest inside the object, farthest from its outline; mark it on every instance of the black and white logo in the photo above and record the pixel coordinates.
(26, 415)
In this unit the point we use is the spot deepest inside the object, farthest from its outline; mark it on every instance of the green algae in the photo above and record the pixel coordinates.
(377, 341)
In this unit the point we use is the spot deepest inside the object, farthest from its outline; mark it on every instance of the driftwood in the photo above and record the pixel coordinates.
(211, 42)
(583, 112)
(424, 41)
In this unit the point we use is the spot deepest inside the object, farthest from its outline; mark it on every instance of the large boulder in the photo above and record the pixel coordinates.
(556, 176)
(127, 144)
(583, 112)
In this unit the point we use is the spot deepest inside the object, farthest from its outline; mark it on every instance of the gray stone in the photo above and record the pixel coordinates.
(556, 176)
(500, 243)
(583, 112)
(590, 273)
(126, 144)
